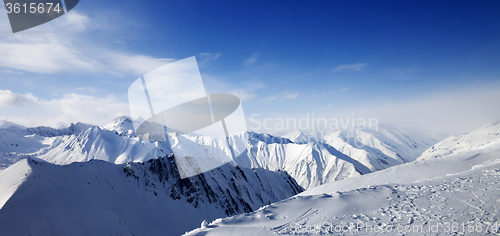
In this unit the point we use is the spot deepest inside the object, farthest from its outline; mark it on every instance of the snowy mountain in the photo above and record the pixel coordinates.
(380, 148)
(102, 198)
(374, 149)
(311, 164)
(483, 137)
(17, 141)
(96, 143)
(453, 195)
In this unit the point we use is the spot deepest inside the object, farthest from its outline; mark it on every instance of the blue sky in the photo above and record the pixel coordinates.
(424, 64)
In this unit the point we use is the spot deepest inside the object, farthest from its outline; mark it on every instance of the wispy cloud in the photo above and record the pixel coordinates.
(252, 59)
(10, 99)
(248, 90)
(344, 89)
(245, 95)
(354, 67)
(206, 57)
(284, 95)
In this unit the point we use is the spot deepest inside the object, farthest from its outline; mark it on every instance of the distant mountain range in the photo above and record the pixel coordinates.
(341, 154)
(134, 185)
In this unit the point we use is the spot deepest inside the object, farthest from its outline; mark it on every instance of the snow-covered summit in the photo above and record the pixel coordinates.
(124, 125)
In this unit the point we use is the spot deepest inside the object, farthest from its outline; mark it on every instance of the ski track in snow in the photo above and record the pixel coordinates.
(467, 203)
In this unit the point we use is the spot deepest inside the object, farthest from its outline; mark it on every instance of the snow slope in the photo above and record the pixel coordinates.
(11, 179)
(451, 195)
(483, 137)
(101, 198)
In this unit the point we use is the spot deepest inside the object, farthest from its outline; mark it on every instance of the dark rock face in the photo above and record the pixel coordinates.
(235, 190)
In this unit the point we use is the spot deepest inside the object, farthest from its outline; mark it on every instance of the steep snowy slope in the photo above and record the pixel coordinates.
(101, 198)
(11, 179)
(454, 195)
(380, 148)
(481, 138)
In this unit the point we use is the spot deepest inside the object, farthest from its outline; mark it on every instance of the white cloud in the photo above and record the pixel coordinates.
(354, 67)
(284, 95)
(252, 59)
(51, 51)
(10, 99)
(66, 109)
(44, 57)
(74, 21)
(51, 55)
(76, 107)
(344, 89)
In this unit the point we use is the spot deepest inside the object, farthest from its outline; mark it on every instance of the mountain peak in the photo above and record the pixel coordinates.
(123, 125)
(7, 124)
